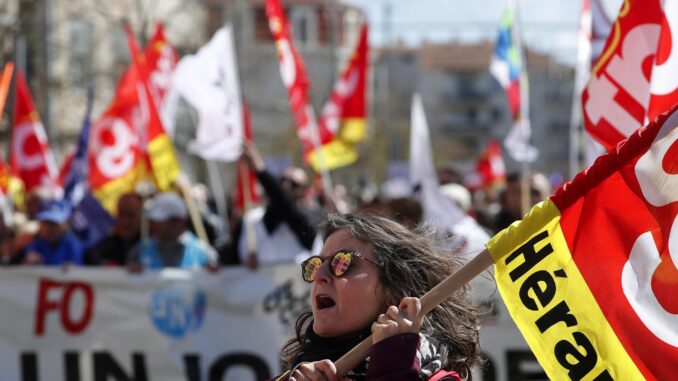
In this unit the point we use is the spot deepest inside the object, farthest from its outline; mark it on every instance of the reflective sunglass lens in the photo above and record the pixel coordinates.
(340, 263)
(310, 266)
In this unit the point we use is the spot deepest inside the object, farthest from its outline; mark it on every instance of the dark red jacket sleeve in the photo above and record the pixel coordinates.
(395, 359)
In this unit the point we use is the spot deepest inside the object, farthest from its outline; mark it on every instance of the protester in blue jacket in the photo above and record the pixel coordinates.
(54, 243)
(171, 243)
(366, 281)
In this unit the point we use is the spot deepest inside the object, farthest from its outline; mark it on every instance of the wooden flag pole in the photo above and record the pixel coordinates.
(430, 300)
(184, 185)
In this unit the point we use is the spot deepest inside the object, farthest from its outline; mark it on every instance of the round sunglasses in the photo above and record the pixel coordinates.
(340, 262)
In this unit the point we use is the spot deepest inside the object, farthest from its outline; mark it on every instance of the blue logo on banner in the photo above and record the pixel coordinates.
(178, 309)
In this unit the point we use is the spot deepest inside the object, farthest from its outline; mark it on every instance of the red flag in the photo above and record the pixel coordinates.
(490, 165)
(161, 59)
(159, 148)
(636, 78)
(120, 139)
(30, 155)
(293, 74)
(590, 274)
(115, 156)
(246, 182)
(343, 120)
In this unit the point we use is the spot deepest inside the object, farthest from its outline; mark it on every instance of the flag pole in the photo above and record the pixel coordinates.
(184, 184)
(524, 114)
(217, 188)
(324, 173)
(581, 73)
(429, 301)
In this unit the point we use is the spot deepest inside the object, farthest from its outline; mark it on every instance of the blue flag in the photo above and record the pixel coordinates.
(90, 221)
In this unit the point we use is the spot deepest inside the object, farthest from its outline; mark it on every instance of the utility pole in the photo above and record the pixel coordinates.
(334, 39)
(393, 140)
(46, 21)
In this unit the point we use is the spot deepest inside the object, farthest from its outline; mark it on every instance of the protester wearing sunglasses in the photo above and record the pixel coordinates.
(364, 281)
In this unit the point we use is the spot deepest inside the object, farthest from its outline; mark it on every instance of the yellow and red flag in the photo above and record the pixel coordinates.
(31, 157)
(159, 149)
(344, 118)
(129, 137)
(161, 60)
(589, 275)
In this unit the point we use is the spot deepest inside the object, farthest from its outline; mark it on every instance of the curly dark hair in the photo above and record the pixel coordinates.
(410, 264)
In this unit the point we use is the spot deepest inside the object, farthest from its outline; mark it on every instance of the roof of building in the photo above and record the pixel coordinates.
(463, 56)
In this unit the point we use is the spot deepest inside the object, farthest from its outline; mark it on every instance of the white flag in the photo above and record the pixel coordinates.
(208, 81)
(438, 209)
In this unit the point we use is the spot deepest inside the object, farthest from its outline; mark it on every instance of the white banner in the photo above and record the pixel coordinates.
(106, 324)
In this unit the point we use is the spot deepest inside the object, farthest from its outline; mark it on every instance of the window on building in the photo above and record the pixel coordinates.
(81, 46)
(304, 26)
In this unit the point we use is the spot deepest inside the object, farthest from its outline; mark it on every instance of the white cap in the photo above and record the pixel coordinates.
(166, 205)
(457, 194)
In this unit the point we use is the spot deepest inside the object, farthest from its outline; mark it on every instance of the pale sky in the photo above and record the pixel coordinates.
(547, 25)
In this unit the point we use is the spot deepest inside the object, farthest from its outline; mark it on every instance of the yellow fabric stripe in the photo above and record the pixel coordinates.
(352, 130)
(551, 303)
(109, 193)
(335, 154)
(164, 162)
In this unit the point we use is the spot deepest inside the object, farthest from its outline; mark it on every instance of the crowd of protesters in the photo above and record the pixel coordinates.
(158, 232)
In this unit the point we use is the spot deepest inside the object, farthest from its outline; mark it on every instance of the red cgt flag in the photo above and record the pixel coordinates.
(343, 119)
(161, 59)
(635, 79)
(120, 138)
(31, 156)
(293, 74)
(590, 275)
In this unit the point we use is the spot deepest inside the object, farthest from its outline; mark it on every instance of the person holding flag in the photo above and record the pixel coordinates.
(361, 283)
(588, 275)
(282, 230)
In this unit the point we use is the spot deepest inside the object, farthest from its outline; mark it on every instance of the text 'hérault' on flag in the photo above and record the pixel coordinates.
(587, 275)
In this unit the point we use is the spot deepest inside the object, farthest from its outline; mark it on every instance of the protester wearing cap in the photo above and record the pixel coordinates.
(171, 244)
(54, 243)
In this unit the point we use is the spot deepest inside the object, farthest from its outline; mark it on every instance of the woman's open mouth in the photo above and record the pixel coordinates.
(323, 301)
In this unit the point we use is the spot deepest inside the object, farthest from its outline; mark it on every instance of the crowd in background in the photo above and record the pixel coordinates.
(156, 231)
